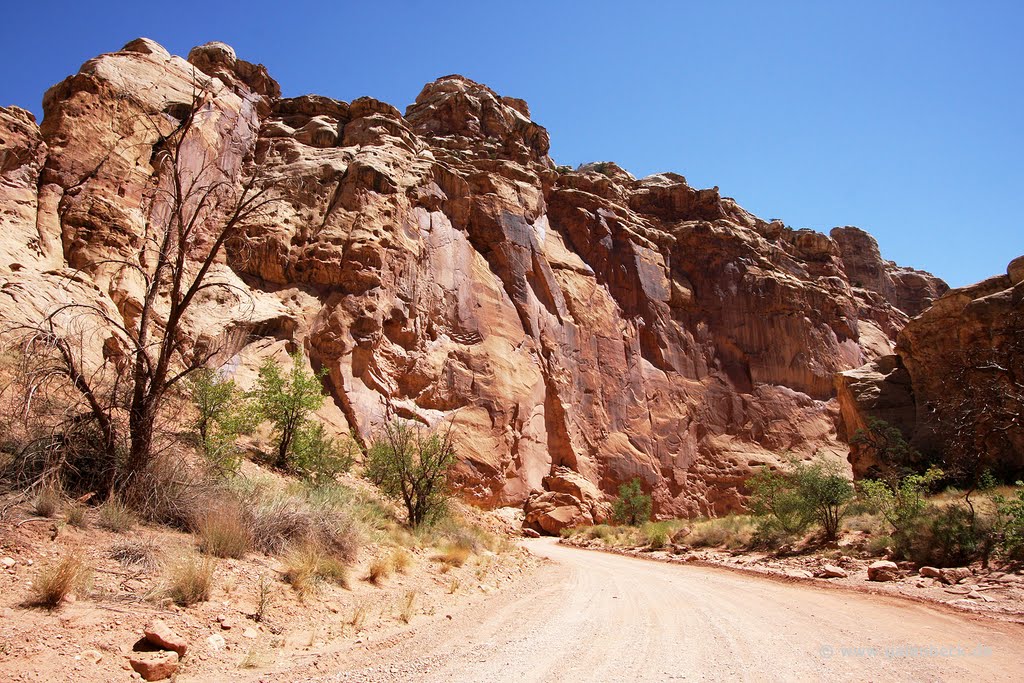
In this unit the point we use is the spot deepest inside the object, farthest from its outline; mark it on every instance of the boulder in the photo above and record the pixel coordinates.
(163, 636)
(155, 666)
(830, 571)
(883, 570)
(930, 572)
(954, 575)
(1015, 271)
(552, 511)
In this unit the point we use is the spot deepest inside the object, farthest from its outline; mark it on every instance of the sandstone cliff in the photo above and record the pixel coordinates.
(580, 327)
(955, 385)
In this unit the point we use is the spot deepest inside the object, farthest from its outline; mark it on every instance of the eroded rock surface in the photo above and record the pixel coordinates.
(580, 328)
(955, 387)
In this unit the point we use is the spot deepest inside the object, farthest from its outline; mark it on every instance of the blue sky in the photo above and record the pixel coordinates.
(906, 119)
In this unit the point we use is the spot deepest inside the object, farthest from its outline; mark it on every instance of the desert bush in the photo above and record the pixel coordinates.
(732, 531)
(900, 501)
(308, 564)
(950, 536)
(223, 531)
(632, 507)
(113, 515)
(360, 611)
(52, 585)
(411, 465)
(190, 580)
(224, 413)
(401, 560)
(288, 401)
(380, 569)
(408, 609)
(173, 491)
(47, 502)
(277, 522)
(454, 555)
(657, 535)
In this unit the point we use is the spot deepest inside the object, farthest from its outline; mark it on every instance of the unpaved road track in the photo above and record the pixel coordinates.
(593, 616)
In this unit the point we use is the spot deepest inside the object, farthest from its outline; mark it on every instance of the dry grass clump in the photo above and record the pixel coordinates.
(141, 554)
(401, 560)
(223, 531)
(190, 580)
(75, 516)
(731, 531)
(454, 555)
(277, 523)
(408, 606)
(380, 569)
(360, 612)
(55, 583)
(115, 516)
(307, 565)
(47, 502)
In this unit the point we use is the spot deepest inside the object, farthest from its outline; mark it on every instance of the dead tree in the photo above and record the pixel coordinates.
(194, 208)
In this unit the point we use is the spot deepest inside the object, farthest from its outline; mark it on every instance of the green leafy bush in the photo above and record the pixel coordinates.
(900, 501)
(950, 536)
(224, 413)
(288, 400)
(318, 458)
(1011, 524)
(411, 464)
(809, 493)
(887, 444)
(633, 506)
(779, 503)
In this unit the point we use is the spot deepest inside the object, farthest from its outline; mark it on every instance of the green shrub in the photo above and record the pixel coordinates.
(318, 458)
(887, 444)
(950, 536)
(776, 498)
(288, 401)
(1011, 524)
(633, 506)
(224, 414)
(809, 493)
(900, 501)
(411, 464)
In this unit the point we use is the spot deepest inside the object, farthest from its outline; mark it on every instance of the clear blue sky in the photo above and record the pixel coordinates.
(904, 118)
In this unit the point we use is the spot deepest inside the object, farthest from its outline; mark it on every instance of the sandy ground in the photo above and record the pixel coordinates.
(595, 616)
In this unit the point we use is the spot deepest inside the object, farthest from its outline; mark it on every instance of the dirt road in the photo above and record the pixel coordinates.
(593, 616)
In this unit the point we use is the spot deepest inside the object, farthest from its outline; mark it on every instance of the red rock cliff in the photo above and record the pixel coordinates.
(578, 326)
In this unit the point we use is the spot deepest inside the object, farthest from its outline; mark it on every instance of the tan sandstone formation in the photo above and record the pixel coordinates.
(580, 328)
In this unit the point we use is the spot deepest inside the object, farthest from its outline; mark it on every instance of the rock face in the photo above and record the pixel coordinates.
(580, 328)
(956, 384)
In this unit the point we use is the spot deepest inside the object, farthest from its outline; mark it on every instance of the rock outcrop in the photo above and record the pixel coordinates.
(955, 387)
(580, 328)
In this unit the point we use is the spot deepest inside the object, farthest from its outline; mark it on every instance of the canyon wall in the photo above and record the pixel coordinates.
(580, 327)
